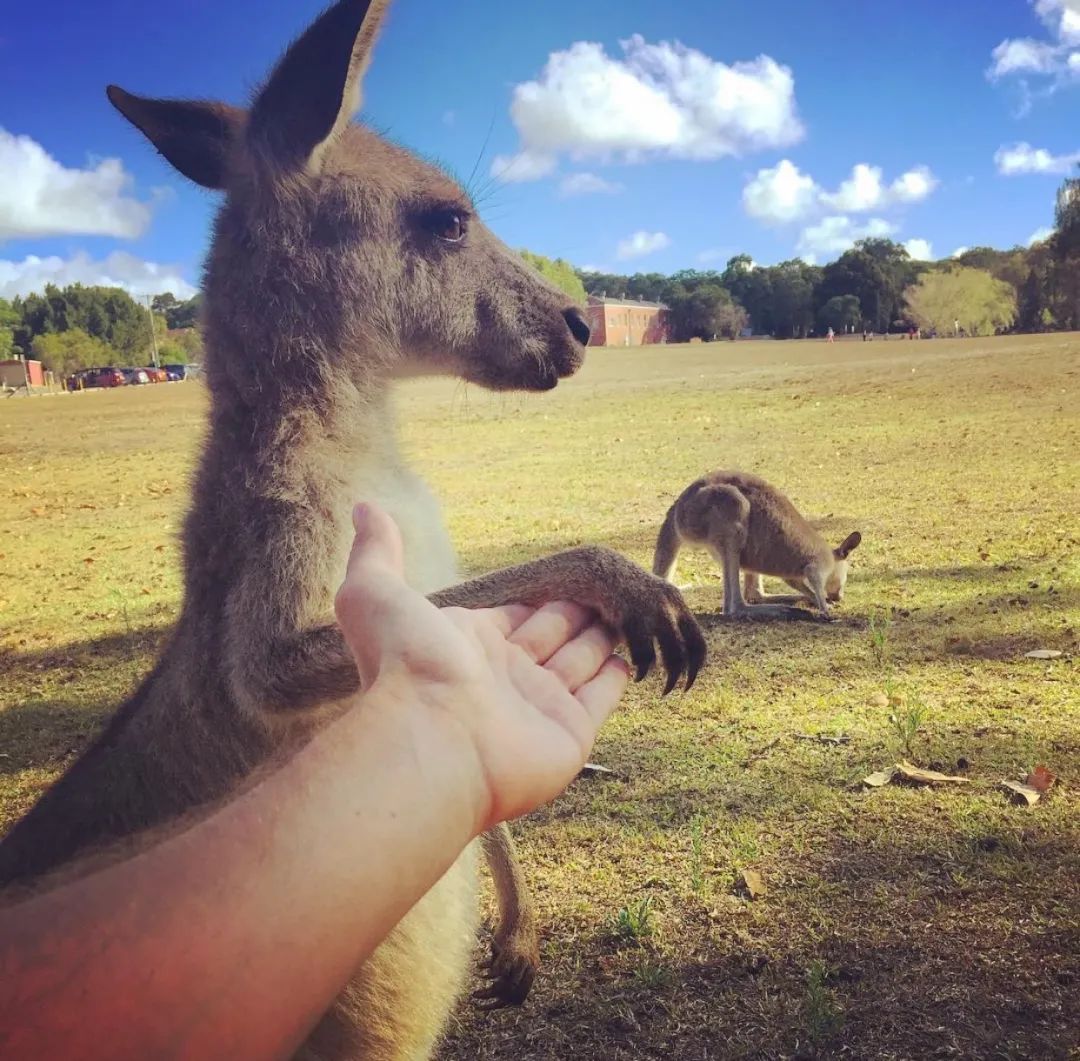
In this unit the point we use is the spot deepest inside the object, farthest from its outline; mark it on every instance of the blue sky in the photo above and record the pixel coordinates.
(619, 134)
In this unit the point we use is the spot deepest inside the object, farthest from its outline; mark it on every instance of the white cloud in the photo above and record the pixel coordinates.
(656, 100)
(1040, 235)
(959, 250)
(919, 249)
(587, 184)
(782, 193)
(865, 190)
(831, 236)
(118, 269)
(524, 166)
(1056, 60)
(640, 244)
(1013, 159)
(913, 186)
(1062, 18)
(1024, 56)
(40, 197)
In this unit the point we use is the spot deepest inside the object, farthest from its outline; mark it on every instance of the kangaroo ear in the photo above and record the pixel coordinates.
(195, 136)
(849, 543)
(315, 88)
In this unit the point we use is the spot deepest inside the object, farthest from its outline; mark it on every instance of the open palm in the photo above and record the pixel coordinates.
(516, 693)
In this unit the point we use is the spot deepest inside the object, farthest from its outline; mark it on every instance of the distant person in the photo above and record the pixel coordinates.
(956, 328)
(830, 336)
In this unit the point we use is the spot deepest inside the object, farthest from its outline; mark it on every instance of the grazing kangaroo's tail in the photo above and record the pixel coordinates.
(667, 546)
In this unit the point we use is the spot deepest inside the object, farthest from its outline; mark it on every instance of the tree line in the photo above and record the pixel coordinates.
(75, 327)
(875, 286)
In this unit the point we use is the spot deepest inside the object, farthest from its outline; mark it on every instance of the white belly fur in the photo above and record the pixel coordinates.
(430, 563)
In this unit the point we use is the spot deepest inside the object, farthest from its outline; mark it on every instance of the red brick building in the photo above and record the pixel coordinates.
(626, 321)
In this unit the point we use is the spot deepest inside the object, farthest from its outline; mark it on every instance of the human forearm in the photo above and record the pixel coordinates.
(307, 872)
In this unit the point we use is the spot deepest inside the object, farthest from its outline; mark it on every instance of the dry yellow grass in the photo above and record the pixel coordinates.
(898, 922)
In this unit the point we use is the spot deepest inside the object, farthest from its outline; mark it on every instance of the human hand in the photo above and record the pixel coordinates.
(508, 699)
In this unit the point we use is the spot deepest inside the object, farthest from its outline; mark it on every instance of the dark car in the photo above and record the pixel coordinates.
(175, 372)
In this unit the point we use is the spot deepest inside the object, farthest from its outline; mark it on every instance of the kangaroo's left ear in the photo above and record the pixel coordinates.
(315, 88)
(846, 546)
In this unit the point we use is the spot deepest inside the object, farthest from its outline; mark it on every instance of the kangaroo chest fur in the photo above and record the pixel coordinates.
(430, 563)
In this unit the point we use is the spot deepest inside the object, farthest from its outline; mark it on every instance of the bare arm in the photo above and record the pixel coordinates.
(459, 729)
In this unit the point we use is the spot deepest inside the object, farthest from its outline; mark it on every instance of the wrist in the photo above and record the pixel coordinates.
(419, 724)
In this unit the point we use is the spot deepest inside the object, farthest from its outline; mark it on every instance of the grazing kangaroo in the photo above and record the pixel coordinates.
(748, 524)
(339, 263)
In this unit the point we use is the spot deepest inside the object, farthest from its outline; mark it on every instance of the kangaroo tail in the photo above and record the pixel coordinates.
(667, 546)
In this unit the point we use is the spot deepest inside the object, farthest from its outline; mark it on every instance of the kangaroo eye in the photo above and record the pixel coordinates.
(449, 225)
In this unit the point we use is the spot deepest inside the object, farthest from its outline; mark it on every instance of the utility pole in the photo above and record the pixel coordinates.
(153, 333)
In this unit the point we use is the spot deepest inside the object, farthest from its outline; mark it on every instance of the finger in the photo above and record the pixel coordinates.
(600, 696)
(507, 618)
(579, 660)
(546, 631)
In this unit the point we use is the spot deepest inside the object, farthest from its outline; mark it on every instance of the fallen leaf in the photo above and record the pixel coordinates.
(1040, 778)
(879, 778)
(595, 769)
(1022, 793)
(910, 772)
(145, 591)
(88, 560)
(755, 884)
(879, 700)
(1043, 653)
(37, 511)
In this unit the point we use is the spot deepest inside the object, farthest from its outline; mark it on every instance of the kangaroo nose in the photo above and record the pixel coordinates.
(575, 321)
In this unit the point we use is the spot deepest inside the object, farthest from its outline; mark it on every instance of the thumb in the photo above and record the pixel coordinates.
(376, 540)
(364, 605)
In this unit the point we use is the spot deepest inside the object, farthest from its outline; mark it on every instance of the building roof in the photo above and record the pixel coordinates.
(603, 300)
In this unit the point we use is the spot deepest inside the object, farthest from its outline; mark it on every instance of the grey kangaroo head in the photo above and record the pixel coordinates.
(339, 252)
(834, 584)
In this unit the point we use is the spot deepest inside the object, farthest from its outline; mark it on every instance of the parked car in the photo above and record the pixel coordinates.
(134, 376)
(156, 375)
(175, 372)
(104, 377)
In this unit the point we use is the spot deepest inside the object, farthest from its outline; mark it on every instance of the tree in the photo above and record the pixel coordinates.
(9, 319)
(705, 312)
(793, 286)
(183, 314)
(973, 297)
(66, 352)
(841, 313)
(1064, 262)
(560, 273)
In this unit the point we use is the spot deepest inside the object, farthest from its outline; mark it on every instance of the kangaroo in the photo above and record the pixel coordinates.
(747, 523)
(339, 263)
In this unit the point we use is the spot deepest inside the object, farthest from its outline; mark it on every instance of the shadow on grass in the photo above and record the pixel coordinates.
(44, 734)
(893, 943)
(44, 724)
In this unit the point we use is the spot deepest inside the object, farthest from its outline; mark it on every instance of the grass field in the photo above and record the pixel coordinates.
(896, 922)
